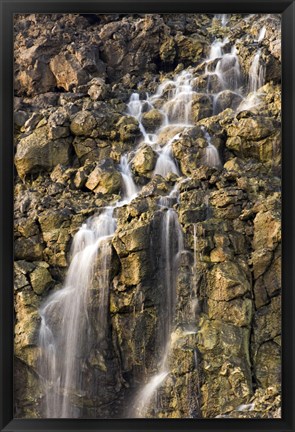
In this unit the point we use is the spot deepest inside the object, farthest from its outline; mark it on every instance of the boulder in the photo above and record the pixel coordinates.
(249, 128)
(128, 128)
(226, 366)
(238, 311)
(254, 137)
(202, 106)
(267, 230)
(210, 83)
(37, 152)
(168, 50)
(27, 326)
(30, 249)
(134, 55)
(38, 79)
(74, 69)
(91, 149)
(226, 99)
(83, 124)
(104, 179)
(152, 120)
(267, 323)
(226, 202)
(135, 268)
(40, 278)
(144, 160)
(133, 239)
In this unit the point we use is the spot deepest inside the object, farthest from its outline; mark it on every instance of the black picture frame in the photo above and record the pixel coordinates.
(8, 9)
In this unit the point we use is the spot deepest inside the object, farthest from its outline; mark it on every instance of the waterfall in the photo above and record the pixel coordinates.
(176, 112)
(261, 34)
(216, 50)
(136, 108)
(146, 394)
(212, 158)
(178, 107)
(256, 73)
(129, 187)
(229, 71)
(165, 162)
(226, 75)
(64, 332)
(255, 82)
(171, 247)
(223, 18)
(194, 290)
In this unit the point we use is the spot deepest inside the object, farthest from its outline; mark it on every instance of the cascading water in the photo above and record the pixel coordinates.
(65, 331)
(223, 18)
(255, 82)
(176, 111)
(136, 108)
(212, 158)
(226, 76)
(178, 106)
(62, 345)
(165, 162)
(171, 247)
(216, 50)
(261, 34)
(229, 71)
(130, 189)
(256, 73)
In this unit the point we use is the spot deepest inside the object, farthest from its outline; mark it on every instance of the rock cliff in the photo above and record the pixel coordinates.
(74, 78)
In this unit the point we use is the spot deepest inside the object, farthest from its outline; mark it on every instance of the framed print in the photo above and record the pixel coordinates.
(147, 207)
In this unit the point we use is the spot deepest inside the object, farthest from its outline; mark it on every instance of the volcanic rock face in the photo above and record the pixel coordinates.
(173, 122)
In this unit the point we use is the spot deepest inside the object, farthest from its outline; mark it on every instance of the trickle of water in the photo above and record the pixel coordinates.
(171, 247)
(194, 290)
(165, 162)
(129, 187)
(256, 81)
(216, 50)
(223, 18)
(246, 407)
(147, 393)
(256, 73)
(229, 71)
(261, 34)
(169, 200)
(212, 158)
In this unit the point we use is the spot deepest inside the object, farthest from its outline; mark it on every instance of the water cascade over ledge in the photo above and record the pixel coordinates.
(66, 336)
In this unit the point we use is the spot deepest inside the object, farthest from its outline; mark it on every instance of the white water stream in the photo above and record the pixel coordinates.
(171, 248)
(62, 345)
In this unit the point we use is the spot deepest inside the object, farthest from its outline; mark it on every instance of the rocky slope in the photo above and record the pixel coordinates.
(74, 76)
